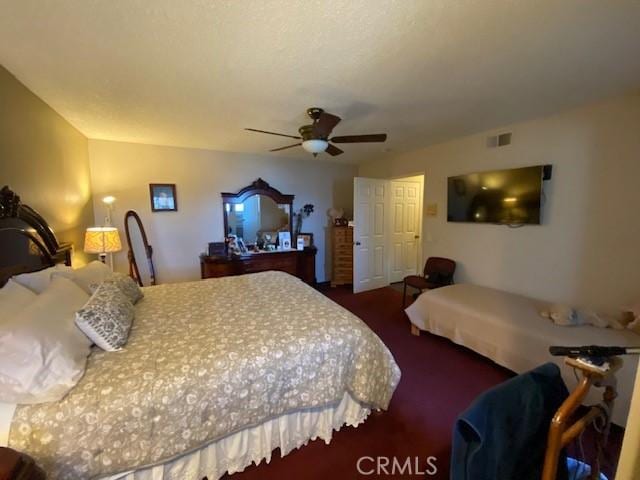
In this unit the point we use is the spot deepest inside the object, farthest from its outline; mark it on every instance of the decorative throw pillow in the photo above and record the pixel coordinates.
(126, 284)
(106, 318)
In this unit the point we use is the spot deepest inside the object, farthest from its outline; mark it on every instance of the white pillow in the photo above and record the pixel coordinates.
(93, 273)
(13, 298)
(42, 352)
(38, 281)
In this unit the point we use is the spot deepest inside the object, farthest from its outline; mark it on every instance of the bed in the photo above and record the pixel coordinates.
(215, 375)
(508, 329)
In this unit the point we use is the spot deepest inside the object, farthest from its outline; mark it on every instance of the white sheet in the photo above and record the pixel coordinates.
(508, 329)
(236, 452)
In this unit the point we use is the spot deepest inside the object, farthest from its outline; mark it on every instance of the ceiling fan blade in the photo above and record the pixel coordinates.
(284, 148)
(326, 122)
(379, 137)
(333, 150)
(273, 133)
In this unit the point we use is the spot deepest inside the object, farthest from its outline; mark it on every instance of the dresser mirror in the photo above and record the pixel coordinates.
(256, 214)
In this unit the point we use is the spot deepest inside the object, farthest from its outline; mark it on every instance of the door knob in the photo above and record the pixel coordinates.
(416, 237)
(357, 243)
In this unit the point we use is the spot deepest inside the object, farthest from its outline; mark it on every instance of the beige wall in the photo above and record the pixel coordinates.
(45, 160)
(586, 252)
(125, 171)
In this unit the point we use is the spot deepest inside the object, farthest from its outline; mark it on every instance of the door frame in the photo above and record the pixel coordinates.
(419, 177)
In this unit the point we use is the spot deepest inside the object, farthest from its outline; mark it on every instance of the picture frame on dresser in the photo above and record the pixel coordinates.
(307, 239)
(284, 240)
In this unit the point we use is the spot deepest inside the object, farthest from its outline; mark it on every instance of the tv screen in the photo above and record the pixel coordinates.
(509, 197)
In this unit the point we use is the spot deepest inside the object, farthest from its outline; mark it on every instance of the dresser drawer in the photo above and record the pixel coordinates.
(302, 264)
(342, 234)
(343, 249)
(280, 262)
(343, 259)
(222, 269)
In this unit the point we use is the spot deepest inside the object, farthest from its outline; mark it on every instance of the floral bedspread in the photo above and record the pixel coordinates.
(205, 359)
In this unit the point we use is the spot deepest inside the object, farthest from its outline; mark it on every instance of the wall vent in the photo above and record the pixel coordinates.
(504, 139)
(499, 140)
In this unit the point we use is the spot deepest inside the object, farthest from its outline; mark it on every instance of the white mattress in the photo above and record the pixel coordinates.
(508, 329)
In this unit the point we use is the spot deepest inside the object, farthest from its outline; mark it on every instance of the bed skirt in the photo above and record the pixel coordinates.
(237, 451)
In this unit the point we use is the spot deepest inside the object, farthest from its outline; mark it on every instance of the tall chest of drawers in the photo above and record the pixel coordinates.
(342, 272)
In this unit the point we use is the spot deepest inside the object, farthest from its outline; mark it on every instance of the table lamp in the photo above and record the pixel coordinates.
(102, 240)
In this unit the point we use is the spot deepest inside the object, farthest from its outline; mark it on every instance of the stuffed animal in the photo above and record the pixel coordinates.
(633, 317)
(561, 315)
(566, 316)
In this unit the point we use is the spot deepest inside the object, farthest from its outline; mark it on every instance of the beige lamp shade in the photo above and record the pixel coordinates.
(102, 240)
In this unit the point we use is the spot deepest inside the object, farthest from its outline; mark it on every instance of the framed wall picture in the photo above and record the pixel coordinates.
(163, 197)
(307, 239)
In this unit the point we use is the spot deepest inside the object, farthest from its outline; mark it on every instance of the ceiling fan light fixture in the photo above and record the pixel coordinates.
(315, 145)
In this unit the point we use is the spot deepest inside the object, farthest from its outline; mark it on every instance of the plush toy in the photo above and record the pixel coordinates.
(634, 326)
(633, 317)
(566, 316)
(561, 315)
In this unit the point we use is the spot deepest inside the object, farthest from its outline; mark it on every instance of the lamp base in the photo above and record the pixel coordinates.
(103, 257)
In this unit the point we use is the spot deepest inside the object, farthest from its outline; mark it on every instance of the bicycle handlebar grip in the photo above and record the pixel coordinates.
(587, 351)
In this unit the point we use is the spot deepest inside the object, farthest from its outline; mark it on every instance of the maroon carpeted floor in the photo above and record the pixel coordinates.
(439, 380)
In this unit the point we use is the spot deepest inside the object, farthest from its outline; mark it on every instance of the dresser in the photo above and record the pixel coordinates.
(342, 242)
(300, 263)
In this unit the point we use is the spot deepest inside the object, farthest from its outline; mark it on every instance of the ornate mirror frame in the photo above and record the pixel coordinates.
(134, 271)
(259, 187)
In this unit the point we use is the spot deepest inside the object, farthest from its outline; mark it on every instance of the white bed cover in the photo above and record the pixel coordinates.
(508, 329)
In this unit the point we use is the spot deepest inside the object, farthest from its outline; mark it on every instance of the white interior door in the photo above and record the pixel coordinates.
(406, 211)
(370, 258)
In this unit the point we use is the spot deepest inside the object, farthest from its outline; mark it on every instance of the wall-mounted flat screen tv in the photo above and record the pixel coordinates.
(511, 197)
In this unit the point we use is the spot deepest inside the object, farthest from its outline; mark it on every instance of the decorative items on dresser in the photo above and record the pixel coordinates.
(342, 272)
(258, 224)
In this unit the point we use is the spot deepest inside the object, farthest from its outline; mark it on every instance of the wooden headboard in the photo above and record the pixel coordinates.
(27, 243)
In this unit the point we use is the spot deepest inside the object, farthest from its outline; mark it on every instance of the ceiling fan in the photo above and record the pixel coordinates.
(315, 137)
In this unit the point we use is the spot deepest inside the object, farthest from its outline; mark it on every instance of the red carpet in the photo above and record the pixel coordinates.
(439, 380)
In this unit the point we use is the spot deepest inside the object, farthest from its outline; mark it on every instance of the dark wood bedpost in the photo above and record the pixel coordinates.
(27, 241)
(18, 466)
